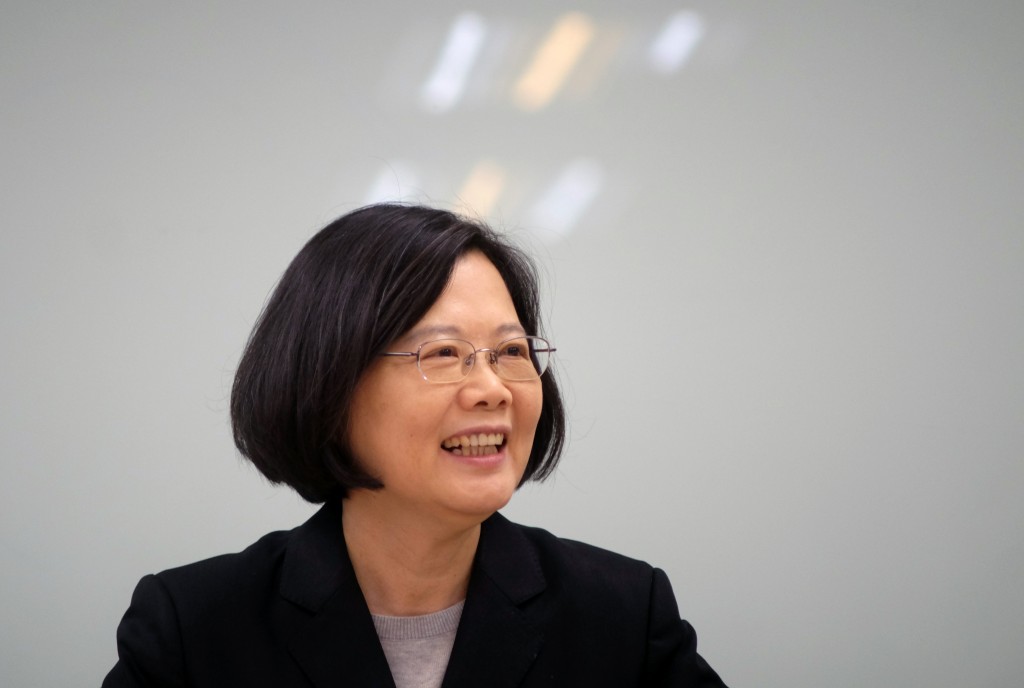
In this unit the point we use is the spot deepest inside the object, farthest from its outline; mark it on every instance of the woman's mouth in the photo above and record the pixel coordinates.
(480, 444)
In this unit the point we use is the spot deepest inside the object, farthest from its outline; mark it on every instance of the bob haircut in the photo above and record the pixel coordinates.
(359, 284)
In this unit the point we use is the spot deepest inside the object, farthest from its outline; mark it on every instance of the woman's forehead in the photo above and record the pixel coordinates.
(475, 303)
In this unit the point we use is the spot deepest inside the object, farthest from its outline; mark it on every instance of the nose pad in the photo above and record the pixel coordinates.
(492, 360)
(491, 390)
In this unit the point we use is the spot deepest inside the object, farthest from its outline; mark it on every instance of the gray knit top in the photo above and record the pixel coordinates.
(418, 647)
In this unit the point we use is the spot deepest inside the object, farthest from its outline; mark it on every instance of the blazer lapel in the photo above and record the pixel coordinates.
(334, 641)
(332, 636)
(498, 638)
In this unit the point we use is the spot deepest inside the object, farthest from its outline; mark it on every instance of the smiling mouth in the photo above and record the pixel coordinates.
(481, 444)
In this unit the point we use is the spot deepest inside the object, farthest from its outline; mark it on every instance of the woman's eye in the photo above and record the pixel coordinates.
(446, 351)
(514, 351)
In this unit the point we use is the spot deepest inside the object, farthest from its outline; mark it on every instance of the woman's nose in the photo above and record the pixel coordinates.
(483, 385)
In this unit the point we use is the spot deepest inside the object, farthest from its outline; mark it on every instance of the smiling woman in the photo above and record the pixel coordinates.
(364, 388)
(399, 423)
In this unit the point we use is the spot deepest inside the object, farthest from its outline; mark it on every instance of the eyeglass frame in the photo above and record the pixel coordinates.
(492, 357)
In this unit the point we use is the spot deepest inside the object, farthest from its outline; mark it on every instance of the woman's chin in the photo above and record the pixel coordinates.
(482, 498)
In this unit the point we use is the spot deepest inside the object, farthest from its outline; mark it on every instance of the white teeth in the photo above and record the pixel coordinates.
(474, 445)
(482, 450)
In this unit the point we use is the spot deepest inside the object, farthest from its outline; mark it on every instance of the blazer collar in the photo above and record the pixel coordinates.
(499, 636)
(335, 640)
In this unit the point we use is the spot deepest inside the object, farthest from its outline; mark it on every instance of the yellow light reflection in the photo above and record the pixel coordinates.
(553, 61)
(481, 189)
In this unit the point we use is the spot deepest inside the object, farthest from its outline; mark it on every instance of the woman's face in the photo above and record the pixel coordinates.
(400, 423)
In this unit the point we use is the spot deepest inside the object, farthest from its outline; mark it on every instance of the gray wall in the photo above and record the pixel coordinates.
(810, 237)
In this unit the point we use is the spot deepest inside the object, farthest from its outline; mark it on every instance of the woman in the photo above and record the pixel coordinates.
(398, 377)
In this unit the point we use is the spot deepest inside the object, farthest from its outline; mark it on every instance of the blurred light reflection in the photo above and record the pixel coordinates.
(481, 189)
(572, 193)
(676, 42)
(447, 82)
(397, 181)
(553, 61)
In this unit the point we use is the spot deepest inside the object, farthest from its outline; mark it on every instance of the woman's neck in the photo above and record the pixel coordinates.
(406, 565)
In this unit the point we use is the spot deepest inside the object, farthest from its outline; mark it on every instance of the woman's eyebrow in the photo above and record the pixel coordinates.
(510, 328)
(421, 334)
(426, 332)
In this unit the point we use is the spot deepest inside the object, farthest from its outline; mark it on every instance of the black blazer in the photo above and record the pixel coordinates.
(287, 611)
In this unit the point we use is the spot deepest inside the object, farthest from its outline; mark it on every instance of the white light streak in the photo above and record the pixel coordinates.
(676, 42)
(447, 82)
(565, 201)
(395, 182)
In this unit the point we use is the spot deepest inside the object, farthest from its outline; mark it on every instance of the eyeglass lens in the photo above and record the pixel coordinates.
(448, 360)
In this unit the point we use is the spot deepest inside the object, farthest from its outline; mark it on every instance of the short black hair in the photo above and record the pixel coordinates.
(359, 284)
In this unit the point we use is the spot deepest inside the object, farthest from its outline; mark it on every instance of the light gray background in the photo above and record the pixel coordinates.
(810, 239)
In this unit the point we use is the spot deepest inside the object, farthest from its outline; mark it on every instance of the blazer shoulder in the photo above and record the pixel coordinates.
(589, 572)
(624, 609)
(222, 578)
(265, 550)
(305, 564)
(574, 554)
